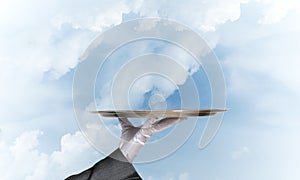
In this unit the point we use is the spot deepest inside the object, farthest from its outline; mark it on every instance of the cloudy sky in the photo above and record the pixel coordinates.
(256, 42)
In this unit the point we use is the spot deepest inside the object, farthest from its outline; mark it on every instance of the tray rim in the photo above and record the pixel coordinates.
(158, 113)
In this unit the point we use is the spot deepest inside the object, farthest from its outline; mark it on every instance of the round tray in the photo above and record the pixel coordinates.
(158, 113)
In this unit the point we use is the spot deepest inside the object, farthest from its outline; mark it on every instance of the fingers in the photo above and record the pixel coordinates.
(124, 121)
(128, 129)
(125, 124)
(167, 122)
(149, 122)
(171, 121)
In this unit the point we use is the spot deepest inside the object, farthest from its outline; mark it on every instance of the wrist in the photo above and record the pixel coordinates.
(130, 150)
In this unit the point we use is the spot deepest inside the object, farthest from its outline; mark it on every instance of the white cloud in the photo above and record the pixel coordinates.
(168, 76)
(144, 74)
(277, 10)
(46, 43)
(53, 40)
(201, 15)
(23, 160)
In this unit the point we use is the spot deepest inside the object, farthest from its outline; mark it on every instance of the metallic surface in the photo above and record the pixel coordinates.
(158, 113)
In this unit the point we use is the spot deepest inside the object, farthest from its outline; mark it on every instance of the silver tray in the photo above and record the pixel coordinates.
(158, 113)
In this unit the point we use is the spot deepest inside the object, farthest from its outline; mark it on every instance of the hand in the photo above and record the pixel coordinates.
(134, 138)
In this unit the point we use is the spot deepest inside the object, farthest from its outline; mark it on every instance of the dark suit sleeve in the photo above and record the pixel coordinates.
(114, 167)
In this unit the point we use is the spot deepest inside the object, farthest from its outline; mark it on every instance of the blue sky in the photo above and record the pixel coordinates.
(256, 43)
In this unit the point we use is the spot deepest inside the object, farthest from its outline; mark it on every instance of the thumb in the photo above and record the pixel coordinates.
(167, 122)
